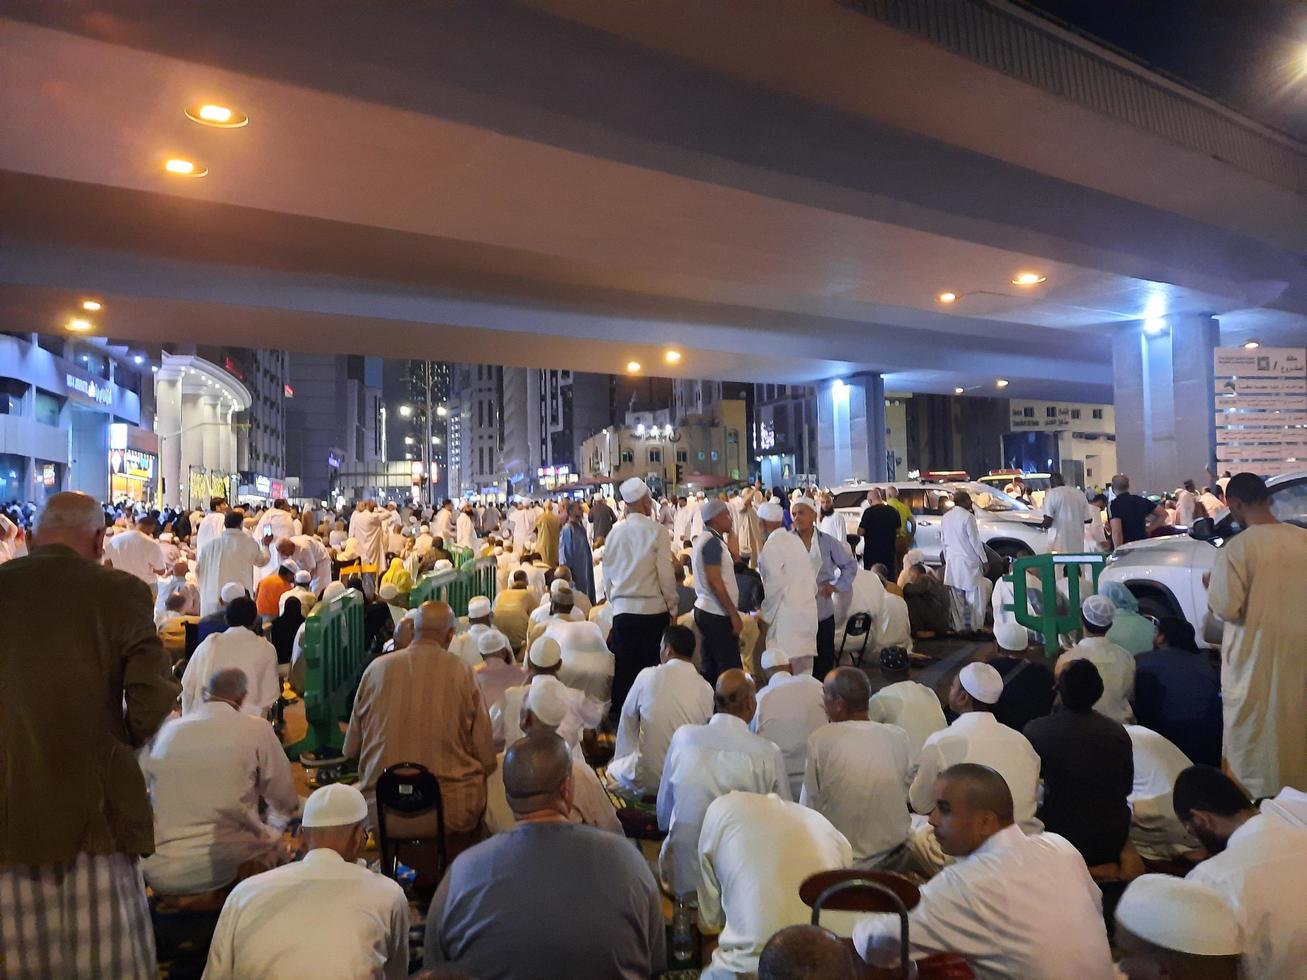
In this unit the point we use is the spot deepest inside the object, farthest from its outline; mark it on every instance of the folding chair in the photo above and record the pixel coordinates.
(857, 625)
(409, 792)
(851, 890)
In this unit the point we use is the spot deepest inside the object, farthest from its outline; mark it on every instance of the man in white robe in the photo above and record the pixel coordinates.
(964, 564)
(788, 617)
(367, 528)
(229, 557)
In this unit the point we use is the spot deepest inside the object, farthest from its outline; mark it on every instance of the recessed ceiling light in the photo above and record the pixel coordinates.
(92, 305)
(221, 116)
(947, 296)
(1251, 344)
(632, 367)
(184, 168)
(1002, 382)
(672, 357)
(138, 359)
(80, 325)
(1028, 279)
(959, 391)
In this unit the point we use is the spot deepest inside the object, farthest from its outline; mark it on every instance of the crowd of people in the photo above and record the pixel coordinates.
(149, 652)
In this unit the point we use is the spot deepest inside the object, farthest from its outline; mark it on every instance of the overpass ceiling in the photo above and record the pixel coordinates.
(492, 182)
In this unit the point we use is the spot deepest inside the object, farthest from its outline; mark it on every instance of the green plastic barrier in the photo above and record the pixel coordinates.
(456, 586)
(462, 556)
(334, 658)
(434, 587)
(483, 578)
(1050, 623)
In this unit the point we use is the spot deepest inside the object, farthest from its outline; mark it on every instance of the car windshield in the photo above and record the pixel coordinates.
(992, 499)
(1289, 501)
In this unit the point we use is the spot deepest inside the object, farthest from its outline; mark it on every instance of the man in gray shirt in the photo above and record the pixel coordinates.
(550, 898)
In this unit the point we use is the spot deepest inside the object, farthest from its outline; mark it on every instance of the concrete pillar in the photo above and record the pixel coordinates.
(168, 423)
(1165, 421)
(211, 433)
(851, 429)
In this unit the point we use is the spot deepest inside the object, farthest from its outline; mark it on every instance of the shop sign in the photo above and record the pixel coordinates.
(263, 485)
(333, 460)
(132, 463)
(98, 392)
(48, 475)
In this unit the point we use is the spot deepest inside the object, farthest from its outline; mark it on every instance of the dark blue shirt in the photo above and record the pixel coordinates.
(1178, 695)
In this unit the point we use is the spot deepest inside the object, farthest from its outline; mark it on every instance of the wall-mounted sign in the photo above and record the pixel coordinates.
(99, 392)
(132, 463)
(48, 477)
(1260, 401)
(263, 485)
(333, 460)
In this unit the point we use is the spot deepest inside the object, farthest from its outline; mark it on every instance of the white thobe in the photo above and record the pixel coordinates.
(789, 605)
(587, 664)
(522, 523)
(137, 554)
(857, 776)
(978, 737)
(464, 645)
(695, 526)
(661, 700)
(357, 921)
(1155, 830)
(703, 763)
(230, 557)
(638, 568)
(1216, 510)
(466, 532)
(506, 714)
(234, 647)
(964, 563)
(681, 525)
(1261, 873)
(894, 628)
(1069, 509)
(1258, 582)
(1095, 532)
(835, 526)
(1017, 906)
(754, 853)
(311, 555)
(283, 527)
(790, 708)
(209, 528)
(1116, 666)
(1184, 507)
(367, 528)
(206, 774)
(443, 526)
(913, 707)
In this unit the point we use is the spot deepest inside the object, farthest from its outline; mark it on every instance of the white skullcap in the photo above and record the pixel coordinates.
(982, 682)
(335, 805)
(771, 512)
(477, 607)
(795, 494)
(292, 566)
(334, 591)
(773, 658)
(387, 591)
(302, 577)
(634, 489)
(498, 551)
(491, 641)
(545, 652)
(231, 592)
(424, 529)
(804, 502)
(546, 698)
(1181, 915)
(559, 587)
(443, 565)
(1098, 610)
(1011, 636)
(710, 509)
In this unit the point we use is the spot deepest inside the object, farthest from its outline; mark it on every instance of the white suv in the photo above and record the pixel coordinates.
(1166, 574)
(1007, 525)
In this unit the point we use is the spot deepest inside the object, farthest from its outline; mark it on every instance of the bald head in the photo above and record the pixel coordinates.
(434, 622)
(538, 773)
(982, 788)
(734, 694)
(74, 520)
(285, 547)
(805, 953)
(229, 685)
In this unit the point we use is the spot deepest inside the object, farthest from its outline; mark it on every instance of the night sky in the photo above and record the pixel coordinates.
(1249, 54)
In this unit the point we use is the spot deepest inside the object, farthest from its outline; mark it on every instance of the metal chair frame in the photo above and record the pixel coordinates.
(870, 884)
(864, 621)
(390, 847)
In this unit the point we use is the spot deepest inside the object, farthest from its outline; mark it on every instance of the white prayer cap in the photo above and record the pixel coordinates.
(1098, 610)
(1011, 636)
(634, 489)
(498, 551)
(387, 591)
(443, 565)
(290, 566)
(982, 682)
(1181, 915)
(492, 641)
(559, 587)
(771, 512)
(804, 502)
(335, 805)
(545, 652)
(231, 592)
(477, 607)
(424, 529)
(302, 577)
(711, 508)
(334, 591)
(795, 494)
(546, 698)
(773, 658)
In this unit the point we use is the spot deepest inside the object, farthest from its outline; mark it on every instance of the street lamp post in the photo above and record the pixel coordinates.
(426, 443)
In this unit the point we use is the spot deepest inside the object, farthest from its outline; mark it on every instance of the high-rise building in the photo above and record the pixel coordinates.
(784, 434)
(334, 431)
(261, 430)
(476, 434)
(405, 383)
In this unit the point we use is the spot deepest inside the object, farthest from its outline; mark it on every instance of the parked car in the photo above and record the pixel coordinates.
(1006, 525)
(1166, 574)
(1036, 483)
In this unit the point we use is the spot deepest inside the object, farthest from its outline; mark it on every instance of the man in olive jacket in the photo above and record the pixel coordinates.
(83, 682)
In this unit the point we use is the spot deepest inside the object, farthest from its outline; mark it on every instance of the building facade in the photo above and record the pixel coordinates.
(71, 416)
(335, 423)
(197, 405)
(1078, 440)
(261, 429)
(476, 433)
(784, 429)
(412, 388)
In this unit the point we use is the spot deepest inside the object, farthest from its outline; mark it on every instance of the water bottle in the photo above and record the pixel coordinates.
(682, 951)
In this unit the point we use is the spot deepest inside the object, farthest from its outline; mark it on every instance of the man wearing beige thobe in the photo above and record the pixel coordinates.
(1257, 584)
(421, 704)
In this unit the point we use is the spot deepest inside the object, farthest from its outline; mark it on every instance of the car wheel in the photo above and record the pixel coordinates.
(1011, 551)
(1155, 606)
